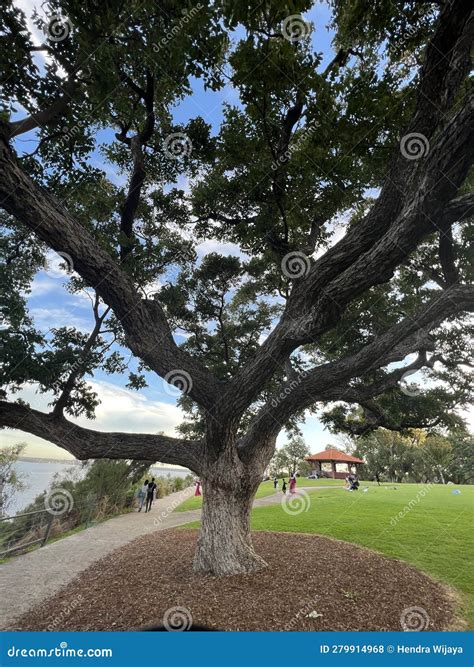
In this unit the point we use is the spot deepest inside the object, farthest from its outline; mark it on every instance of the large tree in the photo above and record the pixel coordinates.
(344, 183)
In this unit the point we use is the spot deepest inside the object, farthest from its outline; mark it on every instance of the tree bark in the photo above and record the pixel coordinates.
(229, 486)
(225, 546)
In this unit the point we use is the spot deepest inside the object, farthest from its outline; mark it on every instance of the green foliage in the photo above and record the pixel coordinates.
(10, 480)
(290, 458)
(246, 182)
(418, 456)
(108, 487)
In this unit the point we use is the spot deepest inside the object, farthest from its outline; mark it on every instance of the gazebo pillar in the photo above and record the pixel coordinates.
(333, 466)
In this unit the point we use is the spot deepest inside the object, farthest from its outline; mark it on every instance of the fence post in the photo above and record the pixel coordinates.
(48, 529)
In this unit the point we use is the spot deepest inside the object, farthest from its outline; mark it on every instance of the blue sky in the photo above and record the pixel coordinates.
(152, 409)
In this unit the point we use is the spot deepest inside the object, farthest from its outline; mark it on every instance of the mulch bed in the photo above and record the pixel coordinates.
(351, 587)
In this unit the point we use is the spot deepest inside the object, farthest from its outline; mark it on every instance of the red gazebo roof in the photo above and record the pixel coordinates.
(334, 455)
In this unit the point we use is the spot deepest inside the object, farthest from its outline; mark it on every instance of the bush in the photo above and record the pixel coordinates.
(106, 489)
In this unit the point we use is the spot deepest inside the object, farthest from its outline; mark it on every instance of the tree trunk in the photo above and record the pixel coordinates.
(224, 545)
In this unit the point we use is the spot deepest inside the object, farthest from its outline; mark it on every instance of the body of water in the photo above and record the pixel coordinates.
(38, 475)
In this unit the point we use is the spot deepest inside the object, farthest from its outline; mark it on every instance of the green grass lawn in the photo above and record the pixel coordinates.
(265, 489)
(435, 534)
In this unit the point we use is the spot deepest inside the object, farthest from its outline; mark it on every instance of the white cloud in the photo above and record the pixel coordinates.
(28, 7)
(42, 285)
(48, 318)
(37, 36)
(120, 410)
(212, 245)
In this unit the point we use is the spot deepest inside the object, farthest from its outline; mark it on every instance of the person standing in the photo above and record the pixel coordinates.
(142, 492)
(197, 492)
(275, 483)
(283, 487)
(293, 483)
(150, 494)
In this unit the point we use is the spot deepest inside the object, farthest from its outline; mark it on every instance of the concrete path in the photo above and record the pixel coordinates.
(28, 579)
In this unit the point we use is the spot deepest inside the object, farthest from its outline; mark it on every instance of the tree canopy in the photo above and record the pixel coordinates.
(343, 182)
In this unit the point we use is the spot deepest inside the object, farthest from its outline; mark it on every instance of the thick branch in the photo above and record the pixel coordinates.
(137, 179)
(331, 381)
(312, 310)
(147, 331)
(46, 116)
(84, 443)
(446, 257)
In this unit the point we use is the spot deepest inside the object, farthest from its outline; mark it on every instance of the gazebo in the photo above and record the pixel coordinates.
(335, 459)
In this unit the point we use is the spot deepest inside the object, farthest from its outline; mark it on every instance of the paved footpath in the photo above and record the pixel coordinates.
(28, 579)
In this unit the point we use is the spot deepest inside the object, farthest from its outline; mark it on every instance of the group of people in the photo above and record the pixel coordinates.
(147, 494)
(352, 482)
(292, 484)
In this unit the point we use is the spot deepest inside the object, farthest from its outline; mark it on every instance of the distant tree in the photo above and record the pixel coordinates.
(304, 469)
(296, 450)
(418, 456)
(279, 463)
(288, 458)
(461, 467)
(10, 479)
(387, 454)
(436, 454)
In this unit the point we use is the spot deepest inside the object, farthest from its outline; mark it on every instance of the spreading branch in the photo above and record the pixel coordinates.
(331, 381)
(147, 331)
(409, 208)
(84, 443)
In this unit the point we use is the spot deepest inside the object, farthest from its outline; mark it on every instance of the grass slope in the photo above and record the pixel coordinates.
(265, 489)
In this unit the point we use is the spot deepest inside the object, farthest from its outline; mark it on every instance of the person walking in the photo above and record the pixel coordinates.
(197, 492)
(275, 483)
(142, 491)
(150, 495)
(283, 486)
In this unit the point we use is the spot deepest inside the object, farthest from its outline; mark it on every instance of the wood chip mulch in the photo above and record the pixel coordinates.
(312, 583)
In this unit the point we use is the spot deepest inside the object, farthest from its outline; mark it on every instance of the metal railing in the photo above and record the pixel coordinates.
(25, 545)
